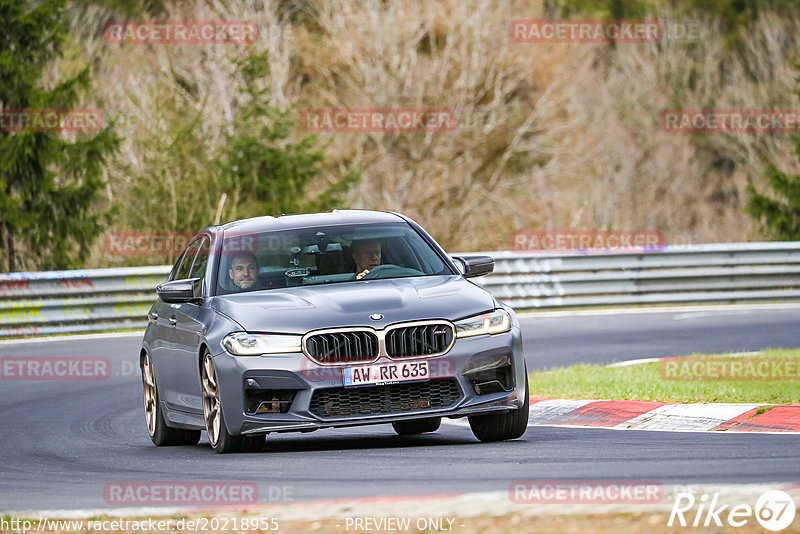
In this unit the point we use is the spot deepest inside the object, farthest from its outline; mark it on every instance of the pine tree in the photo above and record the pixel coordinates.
(274, 174)
(779, 214)
(49, 185)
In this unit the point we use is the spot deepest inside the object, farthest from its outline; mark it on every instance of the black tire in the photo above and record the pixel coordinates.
(227, 443)
(161, 434)
(253, 442)
(502, 426)
(221, 440)
(420, 426)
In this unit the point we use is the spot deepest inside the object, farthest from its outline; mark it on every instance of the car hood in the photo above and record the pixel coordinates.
(301, 309)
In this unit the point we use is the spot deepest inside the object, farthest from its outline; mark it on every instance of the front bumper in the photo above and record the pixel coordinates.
(459, 386)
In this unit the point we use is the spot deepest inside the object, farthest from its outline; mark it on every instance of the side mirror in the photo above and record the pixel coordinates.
(179, 291)
(476, 265)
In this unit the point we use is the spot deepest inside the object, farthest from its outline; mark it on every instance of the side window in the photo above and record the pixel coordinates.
(174, 272)
(201, 260)
(186, 263)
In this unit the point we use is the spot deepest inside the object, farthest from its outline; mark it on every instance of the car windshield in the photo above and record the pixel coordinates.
(323, 255)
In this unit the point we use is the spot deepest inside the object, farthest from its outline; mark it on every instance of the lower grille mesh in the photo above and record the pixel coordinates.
(395, 398)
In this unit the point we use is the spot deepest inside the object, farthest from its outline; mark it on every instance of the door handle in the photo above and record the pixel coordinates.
(173, 321)
(154, 316)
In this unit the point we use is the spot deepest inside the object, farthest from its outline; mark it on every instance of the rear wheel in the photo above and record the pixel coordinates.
(420, 426)
(502, 426)
(160, 433)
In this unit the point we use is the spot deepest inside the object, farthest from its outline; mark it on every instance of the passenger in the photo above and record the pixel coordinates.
(367, 255)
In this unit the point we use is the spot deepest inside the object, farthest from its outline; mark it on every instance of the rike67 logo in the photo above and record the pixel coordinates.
(774, 510)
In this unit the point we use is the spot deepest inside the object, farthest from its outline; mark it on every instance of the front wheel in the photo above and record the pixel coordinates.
(420, 426)
(219, 437)
(502, 426)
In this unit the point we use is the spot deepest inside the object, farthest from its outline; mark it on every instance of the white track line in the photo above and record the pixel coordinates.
(78, 337)
(665, 309)
(634, 362)
(640, 361)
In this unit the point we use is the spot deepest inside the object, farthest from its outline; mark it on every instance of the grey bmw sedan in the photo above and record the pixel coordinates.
(303, 322)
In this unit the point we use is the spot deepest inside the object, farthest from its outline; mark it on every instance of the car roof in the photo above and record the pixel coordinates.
(335, 217)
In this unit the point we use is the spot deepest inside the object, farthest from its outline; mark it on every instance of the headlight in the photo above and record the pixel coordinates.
(494, 322)
(245, 344)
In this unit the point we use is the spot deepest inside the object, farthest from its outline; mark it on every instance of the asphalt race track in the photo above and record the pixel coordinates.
(64, 441)
(552, 340)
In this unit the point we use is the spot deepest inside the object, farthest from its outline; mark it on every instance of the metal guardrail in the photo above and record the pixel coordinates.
(729, 272)
(106, 299)
(88, 300)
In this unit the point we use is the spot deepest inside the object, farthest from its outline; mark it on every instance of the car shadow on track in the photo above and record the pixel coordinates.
(298, 442)
(360, 442)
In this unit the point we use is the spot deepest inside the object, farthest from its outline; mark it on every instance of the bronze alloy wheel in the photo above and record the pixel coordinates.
(150, 397)
(222, 441)
(211, 404)
(160, 432)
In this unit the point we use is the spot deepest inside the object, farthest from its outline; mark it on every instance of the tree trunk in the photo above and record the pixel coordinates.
(8, 245)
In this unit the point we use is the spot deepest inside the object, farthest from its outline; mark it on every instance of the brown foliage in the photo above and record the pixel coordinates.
(548, 136)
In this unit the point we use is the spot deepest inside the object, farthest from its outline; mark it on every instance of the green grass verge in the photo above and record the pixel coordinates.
(645, 382)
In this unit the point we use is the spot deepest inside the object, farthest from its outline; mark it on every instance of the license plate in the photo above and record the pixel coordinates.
(378, 374)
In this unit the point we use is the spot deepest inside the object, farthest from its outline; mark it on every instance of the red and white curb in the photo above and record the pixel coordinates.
(645, 415)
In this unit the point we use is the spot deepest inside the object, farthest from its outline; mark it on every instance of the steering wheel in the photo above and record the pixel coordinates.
(388, 270)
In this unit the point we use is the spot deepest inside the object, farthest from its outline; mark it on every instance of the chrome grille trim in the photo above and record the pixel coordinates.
(412, 339)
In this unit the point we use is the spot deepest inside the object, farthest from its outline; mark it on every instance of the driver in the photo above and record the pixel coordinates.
(367, 255)
(243, 271)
